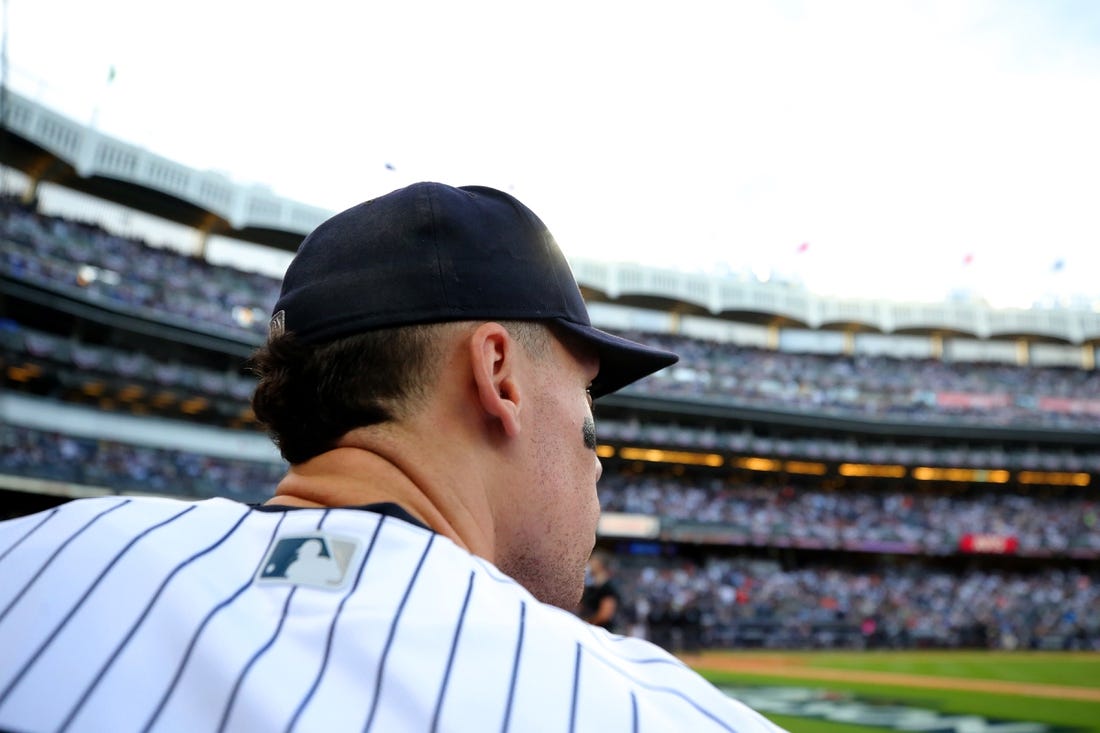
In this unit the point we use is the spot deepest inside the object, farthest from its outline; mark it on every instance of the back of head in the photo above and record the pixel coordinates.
(310, 395)
(425, 254)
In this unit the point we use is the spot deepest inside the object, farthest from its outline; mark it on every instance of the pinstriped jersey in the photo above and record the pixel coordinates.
(145, 614)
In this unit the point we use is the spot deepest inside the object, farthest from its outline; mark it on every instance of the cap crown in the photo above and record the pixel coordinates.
(424, 254)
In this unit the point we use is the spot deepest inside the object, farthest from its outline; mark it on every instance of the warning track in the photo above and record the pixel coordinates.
(795, 668)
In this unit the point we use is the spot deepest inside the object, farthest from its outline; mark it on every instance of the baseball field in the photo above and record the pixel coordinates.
(876, 692)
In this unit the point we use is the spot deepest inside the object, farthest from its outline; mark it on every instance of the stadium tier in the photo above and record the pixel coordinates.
(73, 264)
(787, 484)
(81, 261)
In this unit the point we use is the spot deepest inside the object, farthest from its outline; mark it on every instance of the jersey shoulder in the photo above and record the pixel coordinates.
(136, 613)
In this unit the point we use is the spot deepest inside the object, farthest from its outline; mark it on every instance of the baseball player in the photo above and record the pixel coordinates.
(429, 376)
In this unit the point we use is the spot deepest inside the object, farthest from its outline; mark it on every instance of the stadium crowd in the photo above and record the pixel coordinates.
(722, 601)
(74, 362)
(877, 387)
(904, 520)
(124, 467)
(924, 522)
(124, 274)
(748, 602)
(837, 449)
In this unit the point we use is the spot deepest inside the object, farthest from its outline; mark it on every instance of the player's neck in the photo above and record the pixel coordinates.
(351, 476)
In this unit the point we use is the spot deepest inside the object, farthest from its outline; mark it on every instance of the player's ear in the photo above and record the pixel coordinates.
(493, 356)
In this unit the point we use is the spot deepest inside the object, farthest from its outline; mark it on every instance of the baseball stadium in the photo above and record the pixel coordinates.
(852, 515)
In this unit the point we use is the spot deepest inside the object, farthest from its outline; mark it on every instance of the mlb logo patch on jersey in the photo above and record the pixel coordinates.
(318, 560)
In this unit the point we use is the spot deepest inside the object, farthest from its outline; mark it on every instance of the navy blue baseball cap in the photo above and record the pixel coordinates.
(431, 253)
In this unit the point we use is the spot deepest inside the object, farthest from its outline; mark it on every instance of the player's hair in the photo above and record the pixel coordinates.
(309, 396)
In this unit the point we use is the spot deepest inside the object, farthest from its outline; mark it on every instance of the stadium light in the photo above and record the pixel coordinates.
(811, 468)
(962, 475)
(131, 392)
(194, 405)
(655, 455)
(1054, 478)
(24, 373)
(756, 463)
(872, 470)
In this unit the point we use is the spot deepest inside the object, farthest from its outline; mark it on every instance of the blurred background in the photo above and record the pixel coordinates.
(869, 228)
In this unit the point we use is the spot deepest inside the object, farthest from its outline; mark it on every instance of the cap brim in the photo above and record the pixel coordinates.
(622, 361)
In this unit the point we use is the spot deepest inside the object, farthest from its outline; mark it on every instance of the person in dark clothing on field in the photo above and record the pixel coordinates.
(600, 601)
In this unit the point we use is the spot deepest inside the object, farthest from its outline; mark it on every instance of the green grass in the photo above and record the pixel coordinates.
(1079, 670)
(807, 725)
(1076, 669)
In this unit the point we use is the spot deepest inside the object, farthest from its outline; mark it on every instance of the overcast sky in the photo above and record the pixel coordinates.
(877, 148)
